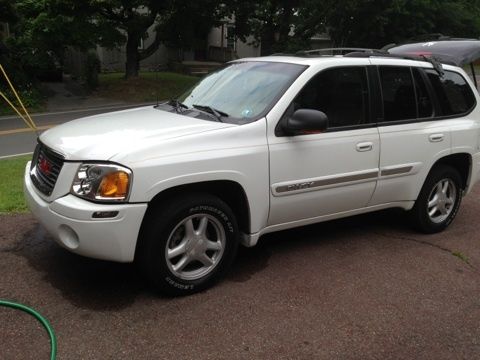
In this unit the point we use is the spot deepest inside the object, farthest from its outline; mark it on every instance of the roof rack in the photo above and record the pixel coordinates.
(430, 59)
(333, 51)
(363, 52)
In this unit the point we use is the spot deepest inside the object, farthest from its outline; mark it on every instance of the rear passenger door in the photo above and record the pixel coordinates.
(412, 134)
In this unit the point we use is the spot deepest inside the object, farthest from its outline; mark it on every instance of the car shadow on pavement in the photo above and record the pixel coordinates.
(107, 286)
(252, 260)
(86, 283)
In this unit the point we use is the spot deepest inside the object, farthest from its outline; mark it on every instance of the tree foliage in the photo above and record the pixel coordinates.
(287, 25)
(44, 29)
(375, 23)
(127, 21)
(270, 22)
(187, 22)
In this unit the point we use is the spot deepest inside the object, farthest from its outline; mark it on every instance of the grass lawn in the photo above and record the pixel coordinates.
(11, 184)
(145, 88)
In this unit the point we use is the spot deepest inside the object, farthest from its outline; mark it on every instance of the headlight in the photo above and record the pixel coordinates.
(102, 182)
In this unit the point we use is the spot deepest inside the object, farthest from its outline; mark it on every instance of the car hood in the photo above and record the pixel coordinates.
(101, 137)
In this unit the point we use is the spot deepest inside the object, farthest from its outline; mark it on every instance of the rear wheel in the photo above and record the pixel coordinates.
(189, 244)
(439, 200)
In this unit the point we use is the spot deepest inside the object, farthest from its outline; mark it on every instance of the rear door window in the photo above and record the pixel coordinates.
(398, 93)
(454, 95)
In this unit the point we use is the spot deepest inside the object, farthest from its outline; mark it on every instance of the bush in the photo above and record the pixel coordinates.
(31, 97)
(22, 78)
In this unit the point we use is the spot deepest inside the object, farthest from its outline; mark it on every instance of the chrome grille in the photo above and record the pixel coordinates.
(46, 166)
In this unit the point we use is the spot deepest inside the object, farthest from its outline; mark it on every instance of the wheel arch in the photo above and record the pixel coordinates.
(229, 191)
(462, 162)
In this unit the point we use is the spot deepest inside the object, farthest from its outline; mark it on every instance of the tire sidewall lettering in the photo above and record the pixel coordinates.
(214, 211)
(153, 259)
(177, 285)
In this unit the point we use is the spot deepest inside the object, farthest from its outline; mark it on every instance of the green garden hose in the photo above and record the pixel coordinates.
(41, 319)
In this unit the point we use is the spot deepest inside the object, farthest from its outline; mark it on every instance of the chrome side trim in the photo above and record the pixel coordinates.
(314, 184)
(400, 169)
(396, 171)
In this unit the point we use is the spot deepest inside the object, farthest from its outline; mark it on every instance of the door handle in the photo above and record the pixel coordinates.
(364, 146)
(436, 137)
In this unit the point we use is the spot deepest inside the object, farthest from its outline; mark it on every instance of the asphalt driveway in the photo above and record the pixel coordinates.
(361, 288)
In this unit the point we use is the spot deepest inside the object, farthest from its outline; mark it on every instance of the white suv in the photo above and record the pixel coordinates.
(261, 145)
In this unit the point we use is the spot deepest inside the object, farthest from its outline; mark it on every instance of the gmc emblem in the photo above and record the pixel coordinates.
(45, 166)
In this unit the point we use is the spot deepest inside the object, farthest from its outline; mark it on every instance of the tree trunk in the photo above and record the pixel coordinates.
(133, 58)
(267, 40)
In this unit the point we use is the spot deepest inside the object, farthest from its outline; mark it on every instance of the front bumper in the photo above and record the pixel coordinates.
(69, 220)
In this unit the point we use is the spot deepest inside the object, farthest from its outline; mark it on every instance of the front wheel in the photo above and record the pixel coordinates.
(439, 200)
(189, 244)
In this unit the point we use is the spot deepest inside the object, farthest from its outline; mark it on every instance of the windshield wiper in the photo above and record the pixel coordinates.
(177, 105)
(215, 112)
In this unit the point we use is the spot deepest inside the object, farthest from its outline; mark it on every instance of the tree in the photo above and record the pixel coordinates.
(287, 25)
(187, 24)
(375, 23)
(7, 11)
(127, 21)
(271, 22)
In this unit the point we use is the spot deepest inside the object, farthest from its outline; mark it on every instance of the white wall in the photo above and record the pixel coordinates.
(246, 50)
(243, 49)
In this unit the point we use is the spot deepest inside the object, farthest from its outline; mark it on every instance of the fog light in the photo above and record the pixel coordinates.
(68, 237)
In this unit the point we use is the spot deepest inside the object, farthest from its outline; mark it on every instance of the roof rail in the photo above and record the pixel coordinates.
(282, 54)
(364, 52)
(430, 59)
(333, 51)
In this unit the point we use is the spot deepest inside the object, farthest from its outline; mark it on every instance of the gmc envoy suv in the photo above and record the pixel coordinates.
(260, 145)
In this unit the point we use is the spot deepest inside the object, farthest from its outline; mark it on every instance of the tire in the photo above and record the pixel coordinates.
(434, 212)
(189, 244)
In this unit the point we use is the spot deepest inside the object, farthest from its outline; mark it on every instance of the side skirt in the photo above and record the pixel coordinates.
(250, 240)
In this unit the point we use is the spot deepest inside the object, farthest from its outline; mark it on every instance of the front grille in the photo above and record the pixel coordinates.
(46, 166)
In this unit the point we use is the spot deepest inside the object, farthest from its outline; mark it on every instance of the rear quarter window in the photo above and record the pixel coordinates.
(453, 92)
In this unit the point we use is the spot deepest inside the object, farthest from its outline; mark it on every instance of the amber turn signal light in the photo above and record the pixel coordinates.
(114, 185)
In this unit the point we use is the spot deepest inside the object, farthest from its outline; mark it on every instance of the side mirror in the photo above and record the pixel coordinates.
(305, 121)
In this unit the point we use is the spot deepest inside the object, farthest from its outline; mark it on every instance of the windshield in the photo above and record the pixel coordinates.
(243, 90)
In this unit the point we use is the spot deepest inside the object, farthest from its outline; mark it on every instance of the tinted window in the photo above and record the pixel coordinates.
(424, 102)
(453, 92)
(398, 93)
(341, 93)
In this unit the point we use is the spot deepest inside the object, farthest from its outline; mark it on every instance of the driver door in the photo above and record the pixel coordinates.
(319, 174)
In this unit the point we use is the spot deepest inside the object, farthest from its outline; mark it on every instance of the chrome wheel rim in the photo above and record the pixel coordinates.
(441, 200)
(195, 246)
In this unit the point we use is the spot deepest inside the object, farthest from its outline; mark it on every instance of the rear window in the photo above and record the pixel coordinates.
(454, 94)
